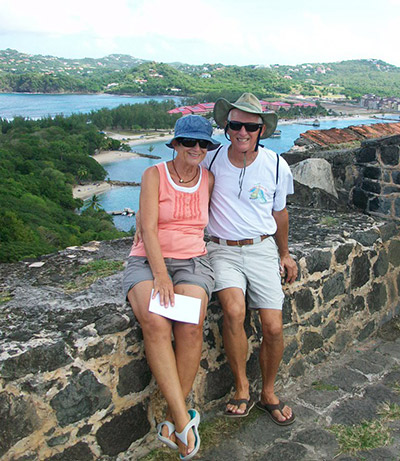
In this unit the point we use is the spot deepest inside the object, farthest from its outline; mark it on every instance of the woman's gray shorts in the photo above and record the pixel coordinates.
(193, 271)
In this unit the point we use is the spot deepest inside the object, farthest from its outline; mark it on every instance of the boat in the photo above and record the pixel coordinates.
(276, 134)
(316, 122)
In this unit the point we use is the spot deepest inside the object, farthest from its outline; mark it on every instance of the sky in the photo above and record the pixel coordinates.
(234, 32)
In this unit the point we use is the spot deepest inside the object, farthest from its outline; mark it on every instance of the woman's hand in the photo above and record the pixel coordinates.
(163, 285)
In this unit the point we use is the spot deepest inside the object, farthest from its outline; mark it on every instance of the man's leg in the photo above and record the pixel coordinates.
(235, 342)
(270, 358)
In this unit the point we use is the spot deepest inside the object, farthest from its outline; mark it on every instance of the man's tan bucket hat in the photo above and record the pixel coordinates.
(247, 103)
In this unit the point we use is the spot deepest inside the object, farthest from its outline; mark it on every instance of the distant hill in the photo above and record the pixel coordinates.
(124, 74)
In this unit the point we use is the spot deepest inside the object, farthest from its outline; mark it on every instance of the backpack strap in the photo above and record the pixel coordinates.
(277, 173)
(216, 153)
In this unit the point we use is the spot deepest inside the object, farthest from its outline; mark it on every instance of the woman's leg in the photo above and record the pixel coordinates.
(188, 346)
(160, 353)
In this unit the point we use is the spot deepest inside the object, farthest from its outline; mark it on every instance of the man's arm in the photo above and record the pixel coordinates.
(281, 237)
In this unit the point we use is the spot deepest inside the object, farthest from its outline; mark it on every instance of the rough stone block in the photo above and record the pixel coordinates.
(290, 351)
(360, 271)
(253, 365)
(396, 177)
(342, 252)
(389, 230)
(286, 450)
(82, 397)
(329, 330)
(112, 323)
(117, 435)
(78, 452)
(47, 357)
(18, 419)
(366, 237)
(360, 198)
(366, 155)
(389, 189)
(381, 264)
(381, 205)
(332, 287)
(367, 331)
(349, 307)
(311, 340)
(298, 368)
(397, 207)
(342, 339)
(218, 383)
(98, 350)
(58, 440)
(372, 172)
(304, 301)
(390, 155)
(394, 253)
(377, 297)
(371, 186)
(316, 319)
(287, 311)
(134, 377)
(318, 261)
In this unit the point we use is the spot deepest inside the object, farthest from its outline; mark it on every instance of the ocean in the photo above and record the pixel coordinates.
(35, 106)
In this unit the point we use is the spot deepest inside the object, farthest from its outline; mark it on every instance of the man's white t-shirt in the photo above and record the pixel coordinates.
(234, 218)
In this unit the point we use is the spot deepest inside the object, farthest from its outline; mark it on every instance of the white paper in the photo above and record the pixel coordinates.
(186, 308)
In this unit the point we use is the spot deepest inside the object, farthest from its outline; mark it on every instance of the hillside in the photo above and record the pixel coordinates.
(124, 74)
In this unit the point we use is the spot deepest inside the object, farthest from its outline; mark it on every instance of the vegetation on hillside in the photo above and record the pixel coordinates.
(40, 161)
(122, 74)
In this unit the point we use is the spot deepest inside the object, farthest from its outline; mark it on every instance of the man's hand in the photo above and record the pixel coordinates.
(289, 268)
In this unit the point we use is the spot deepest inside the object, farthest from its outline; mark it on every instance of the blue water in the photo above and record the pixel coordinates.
(132, 169)
(35, 106)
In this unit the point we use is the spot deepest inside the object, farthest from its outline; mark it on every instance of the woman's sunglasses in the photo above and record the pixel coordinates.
(249, 127)
(190, 142)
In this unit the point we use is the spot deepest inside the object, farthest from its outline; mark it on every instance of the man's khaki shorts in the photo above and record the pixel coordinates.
(253, 268)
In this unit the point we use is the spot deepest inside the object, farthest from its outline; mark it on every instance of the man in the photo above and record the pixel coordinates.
(248, 228)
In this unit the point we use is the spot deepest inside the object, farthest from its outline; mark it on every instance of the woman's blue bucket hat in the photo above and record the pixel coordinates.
(195, 127)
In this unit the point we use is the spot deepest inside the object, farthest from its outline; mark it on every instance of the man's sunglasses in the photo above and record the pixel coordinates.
(190, 142)
(249, 127)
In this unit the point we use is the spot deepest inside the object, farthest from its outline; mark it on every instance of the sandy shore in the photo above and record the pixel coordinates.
(113, 156)
(88, 190)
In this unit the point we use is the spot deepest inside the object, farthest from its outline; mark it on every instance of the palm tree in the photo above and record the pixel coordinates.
(95, 203)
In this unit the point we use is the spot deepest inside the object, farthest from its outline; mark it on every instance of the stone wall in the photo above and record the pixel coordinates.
(377, 191)
(75, 384)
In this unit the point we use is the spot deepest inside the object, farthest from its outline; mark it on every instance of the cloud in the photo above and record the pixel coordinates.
(226, 31)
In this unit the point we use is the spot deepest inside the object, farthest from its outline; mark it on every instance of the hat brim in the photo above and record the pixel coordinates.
(212, 146)
(222, 108)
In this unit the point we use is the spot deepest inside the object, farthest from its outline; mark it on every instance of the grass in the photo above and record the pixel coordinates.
(5, 296)
(365, 436)
(369, 434)
(321, 386)
(329, 221)
(396, 387)
(89, 273)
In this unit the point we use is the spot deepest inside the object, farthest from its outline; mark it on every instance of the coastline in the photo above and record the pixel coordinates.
(86, 191)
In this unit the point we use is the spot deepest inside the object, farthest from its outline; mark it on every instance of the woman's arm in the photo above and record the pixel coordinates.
(149, 202)
(210, 185)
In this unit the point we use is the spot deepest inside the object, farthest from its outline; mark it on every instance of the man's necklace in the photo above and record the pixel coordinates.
(181, 181)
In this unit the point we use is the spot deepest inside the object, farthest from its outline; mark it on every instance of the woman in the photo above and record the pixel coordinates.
(171, 258)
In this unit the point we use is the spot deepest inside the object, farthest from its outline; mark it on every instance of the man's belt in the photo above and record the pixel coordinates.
(239, 243)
